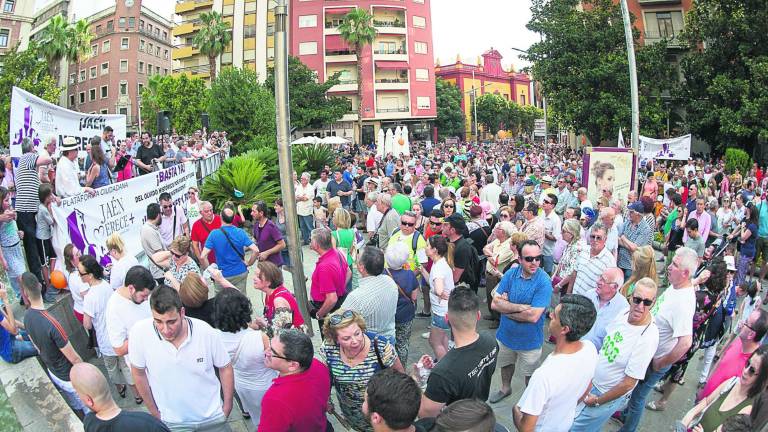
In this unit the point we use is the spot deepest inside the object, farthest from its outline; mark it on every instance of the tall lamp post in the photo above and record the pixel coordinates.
(632, 75)
(283, 120)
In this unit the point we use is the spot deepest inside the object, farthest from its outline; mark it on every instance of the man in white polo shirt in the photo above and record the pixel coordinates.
(173, 359)
(592, 262)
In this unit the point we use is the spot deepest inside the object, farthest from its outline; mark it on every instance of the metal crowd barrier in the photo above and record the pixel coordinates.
(203, 167)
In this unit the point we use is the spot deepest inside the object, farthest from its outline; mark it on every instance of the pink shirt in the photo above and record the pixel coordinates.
(730, 366)
(705, 224)
(330, 276)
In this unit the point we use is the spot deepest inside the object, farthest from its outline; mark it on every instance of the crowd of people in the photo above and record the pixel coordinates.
(626, 291)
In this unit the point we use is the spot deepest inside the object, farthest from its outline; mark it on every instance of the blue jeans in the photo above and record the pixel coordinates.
(286, 257)
(593, 418)
(306, 225)
(634, 410)
(548, 263)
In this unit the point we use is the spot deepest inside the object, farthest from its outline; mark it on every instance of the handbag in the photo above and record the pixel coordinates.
(374, 241)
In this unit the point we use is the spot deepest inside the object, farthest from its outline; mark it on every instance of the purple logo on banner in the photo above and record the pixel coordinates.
(77, 235)
(27, 131)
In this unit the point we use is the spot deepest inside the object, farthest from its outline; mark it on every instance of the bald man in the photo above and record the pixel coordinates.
(93, 389)
(608, 302)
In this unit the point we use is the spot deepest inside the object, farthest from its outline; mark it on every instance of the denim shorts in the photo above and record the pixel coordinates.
(440, 322)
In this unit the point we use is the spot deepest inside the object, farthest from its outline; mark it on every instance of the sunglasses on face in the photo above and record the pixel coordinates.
(274, 353)
(504, 215)
(409, 224)
(644, 301)
(337, 319)
(435, 223)
(448, 206)
(536, 258)
(177, 255)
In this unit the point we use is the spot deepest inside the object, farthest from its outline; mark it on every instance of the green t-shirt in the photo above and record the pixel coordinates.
(401, 203)
(671, 218)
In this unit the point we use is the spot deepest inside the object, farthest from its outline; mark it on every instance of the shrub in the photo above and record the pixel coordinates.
(313, 158)
(737, 159)
(246, 174)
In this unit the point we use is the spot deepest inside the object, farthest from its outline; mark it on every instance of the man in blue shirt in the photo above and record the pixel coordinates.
(230, 244)
(341, 188)
(521, 298)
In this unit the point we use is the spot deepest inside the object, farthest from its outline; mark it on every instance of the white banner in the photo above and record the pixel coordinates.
(86, 221)
(671, 148)
(38, 120)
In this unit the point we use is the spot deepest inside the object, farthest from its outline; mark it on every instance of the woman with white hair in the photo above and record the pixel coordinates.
(499, 255)
(399, 270)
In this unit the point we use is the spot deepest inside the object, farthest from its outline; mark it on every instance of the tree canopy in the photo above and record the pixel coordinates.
(450, 117)
(185, 97)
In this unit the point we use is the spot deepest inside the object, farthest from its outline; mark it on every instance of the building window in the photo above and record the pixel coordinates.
(141, 44)
(141, 87)
(124, 43)
(270, 53)
(71, 81)
(82, 75)
(105, 68)
(422, 75)
(165, 35)
(92, 94)
(124, 65)
(307, 48)
(92, 72)
(419, 1)
(4, 36)
(419, 22)
(110, 25)
(104, 91)
(98, 29)
(141, 67)
(151, 47)
(82, 97)
(149, 69)
(157, 51)
(165, 54)
(149, 28)
(8, 6)
(666, 28)
(105, 46)
(121, 22)
(94, 50)
(141, 24)
(123, 111)
(165, 71)
(131, 22)
(71, 100)
(123, 88)
(104, 111)
(420, 47)
(422, 102)
(522, 99)
(307, 21)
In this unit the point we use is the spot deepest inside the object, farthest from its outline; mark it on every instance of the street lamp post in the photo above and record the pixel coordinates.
(474, 106)
(632, 75)
(283, 120)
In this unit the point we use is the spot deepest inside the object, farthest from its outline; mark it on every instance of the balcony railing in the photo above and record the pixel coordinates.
(330, 25)
(340, 52)
(347, 82)
(194, 70)
(377, 23)
(392, 110)
(388, 51)
(392, 81)
(673, 40)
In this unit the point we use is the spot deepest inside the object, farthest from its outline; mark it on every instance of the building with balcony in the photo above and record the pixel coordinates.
(398, 73)
(253, 27)
(487, 76)
(16, 17)
(130, 43)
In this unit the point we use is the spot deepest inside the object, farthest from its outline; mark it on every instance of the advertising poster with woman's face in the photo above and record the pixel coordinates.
(610, 174)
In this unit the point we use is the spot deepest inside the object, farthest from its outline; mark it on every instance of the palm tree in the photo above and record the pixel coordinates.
(54, 44)
(212, 39)
(357, 30)
(78, 47)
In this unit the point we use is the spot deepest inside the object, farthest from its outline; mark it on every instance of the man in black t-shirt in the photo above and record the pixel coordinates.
(93, 389)
(465, 264)
(148, 154)
(465, 372)
(51, 341)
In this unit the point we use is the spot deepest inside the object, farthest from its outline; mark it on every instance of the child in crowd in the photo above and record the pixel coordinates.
(45, 224)
(320, 213)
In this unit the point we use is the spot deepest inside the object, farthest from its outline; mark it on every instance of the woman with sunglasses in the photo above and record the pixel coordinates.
(176, 261)
(440, 277)
(353, 356)
(448, 207)
(725, 216)
(734, 396)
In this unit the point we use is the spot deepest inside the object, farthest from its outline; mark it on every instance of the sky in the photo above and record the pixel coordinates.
(478, 26)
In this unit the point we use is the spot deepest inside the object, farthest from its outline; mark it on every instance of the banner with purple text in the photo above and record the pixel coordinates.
(665, 148)
(39, 120)
(86, 221)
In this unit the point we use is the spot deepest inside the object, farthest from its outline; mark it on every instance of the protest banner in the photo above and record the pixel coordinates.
(37, 119)
(87, 221)
(670, 148)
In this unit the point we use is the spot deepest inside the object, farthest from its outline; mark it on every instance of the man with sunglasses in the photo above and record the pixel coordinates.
(465, 262)
(173, 220)
(628, 345)
(521, 297)
(298, 397)
(592, 262)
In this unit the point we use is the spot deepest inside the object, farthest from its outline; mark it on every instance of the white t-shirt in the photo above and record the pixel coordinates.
(95, 306)
(627, 351)
(320, 187)
(556, 387)
(673, 314)
(250, 370)
(183, 381)
(76, 287)
(122, 314)
(119, 269)
(440, 269)
(193, 212)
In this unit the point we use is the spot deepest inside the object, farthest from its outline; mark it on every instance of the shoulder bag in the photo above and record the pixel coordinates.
(402, 292)
(240, 254)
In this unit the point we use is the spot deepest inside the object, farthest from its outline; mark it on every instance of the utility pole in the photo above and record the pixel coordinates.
(632, 75)
(474, 106)
(283, 120)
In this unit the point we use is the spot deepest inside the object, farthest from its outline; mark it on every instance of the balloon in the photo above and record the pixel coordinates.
(401, 141)
(58, 280)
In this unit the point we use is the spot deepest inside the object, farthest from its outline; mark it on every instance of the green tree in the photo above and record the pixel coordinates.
(450, 117)
(212, 38)
(186, 98)
(310, 106)
(358, 31)
(54, 44)
(726, 84)
(26, 70)
(492, 112)
(242, 107)
(78, 47)
(581, 63)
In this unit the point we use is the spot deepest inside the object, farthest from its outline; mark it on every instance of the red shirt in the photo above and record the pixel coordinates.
(370, 162)
(330, 276)
(283, 293)
(200, 232)
(729, 366)
(297, 403)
